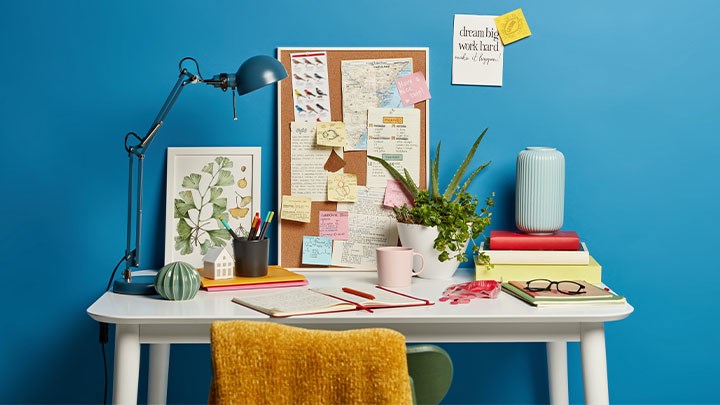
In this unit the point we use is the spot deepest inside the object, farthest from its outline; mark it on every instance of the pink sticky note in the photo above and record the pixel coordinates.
(334, 224)
(395, 195)
(412, 88)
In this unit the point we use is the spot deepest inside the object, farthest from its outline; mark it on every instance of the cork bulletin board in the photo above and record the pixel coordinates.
(291, 233)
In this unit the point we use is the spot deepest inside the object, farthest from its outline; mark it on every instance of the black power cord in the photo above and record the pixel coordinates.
(104, 332)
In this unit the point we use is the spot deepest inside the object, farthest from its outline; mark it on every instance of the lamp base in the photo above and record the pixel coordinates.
(140, 285)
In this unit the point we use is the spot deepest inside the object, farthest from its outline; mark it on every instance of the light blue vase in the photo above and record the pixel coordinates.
(540, 190)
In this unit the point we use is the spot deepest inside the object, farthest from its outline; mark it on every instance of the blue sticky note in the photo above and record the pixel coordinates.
(317, 250)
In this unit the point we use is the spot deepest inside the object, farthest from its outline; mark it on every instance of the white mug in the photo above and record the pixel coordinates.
(395, 266)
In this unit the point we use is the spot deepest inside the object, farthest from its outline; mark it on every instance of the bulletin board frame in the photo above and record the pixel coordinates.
(290, 233)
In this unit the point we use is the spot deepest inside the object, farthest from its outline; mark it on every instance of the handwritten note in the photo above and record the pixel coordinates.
(296, 208)
(334, 224)
(477, 51)
(307, 174)
(395, 195)
(512, 26)
(371, 226)
(342, 187)
(412, 88)
(317, 250)
(331, 133)
(394, 135)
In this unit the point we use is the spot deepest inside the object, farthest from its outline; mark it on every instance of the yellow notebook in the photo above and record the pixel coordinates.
(591, 272)
(277, 277)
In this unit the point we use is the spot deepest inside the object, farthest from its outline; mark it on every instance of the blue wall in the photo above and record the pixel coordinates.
(627, 90)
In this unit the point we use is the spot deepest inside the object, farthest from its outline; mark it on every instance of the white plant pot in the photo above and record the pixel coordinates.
(421, 239)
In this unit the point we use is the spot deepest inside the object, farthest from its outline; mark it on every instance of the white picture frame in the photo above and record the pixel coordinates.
(203, 183)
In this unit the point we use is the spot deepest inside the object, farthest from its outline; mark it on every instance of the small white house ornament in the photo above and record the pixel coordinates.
(218, 264)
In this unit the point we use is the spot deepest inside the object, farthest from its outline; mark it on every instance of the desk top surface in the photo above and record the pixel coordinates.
(212, 306)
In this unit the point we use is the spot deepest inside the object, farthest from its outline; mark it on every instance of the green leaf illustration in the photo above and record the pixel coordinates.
(215, 192)
(218, 236)
(184, 204)
(183, 229)
(205, 246)
(192, 181)
(208, 168)
(183, 245)
(223, 162)
(225, 178)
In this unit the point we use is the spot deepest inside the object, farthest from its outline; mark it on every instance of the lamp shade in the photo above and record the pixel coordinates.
(257, 72)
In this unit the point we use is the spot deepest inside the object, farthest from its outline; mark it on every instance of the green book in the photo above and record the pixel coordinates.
(593, 295)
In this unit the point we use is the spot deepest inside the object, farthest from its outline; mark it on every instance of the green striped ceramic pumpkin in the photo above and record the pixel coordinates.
(178, 281)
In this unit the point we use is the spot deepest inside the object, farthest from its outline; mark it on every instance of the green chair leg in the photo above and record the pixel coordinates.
(431, 370)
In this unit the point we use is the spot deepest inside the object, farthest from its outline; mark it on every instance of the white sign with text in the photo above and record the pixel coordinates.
(477, 51)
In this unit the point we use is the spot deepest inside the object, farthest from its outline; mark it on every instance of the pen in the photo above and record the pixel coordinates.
(232, 233)
(268, 218)
(358, 293)
(253, 230)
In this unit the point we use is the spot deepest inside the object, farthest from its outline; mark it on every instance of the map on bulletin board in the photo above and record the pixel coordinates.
(338, 106)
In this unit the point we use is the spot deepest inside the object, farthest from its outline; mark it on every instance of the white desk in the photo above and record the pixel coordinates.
(147, 320)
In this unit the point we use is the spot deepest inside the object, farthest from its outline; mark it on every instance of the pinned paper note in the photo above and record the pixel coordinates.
(334, 224)
(334, 162)
(477, 51)
(342, 187)
(412, 88)
(317, 250)
(296, 208)
(395, 195)
(331, 133)
(512, 26)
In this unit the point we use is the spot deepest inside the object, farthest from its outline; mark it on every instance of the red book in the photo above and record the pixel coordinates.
(508, 240)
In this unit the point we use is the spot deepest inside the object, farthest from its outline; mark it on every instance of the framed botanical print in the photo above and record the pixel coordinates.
(203, 186)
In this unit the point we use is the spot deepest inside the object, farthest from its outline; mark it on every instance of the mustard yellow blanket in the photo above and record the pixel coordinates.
(268, 363)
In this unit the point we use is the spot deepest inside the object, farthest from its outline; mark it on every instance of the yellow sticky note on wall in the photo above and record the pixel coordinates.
(342, 187)
(331, 133)
(512, 26)
(296, 208)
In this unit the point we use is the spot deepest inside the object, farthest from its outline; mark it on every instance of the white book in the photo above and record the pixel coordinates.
(581, 256)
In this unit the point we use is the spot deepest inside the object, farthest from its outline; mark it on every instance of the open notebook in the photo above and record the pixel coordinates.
(303, 301)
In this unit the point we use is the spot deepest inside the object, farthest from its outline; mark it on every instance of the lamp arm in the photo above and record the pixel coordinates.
(132, 254)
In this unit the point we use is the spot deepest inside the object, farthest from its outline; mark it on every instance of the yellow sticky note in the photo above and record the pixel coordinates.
(342, 187)
(296, 208)
(512, 26)
(331, 133)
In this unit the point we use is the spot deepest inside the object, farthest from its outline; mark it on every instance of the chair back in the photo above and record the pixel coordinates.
(431, 371)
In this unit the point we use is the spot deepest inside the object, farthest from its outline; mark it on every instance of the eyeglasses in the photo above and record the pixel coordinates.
(565, 286)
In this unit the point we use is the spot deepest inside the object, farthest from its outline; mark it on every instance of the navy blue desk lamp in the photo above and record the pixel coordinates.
(254, 73)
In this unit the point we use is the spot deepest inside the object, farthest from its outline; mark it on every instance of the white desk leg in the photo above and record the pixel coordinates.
(558, 372)
(158, 377)
(127, 364)
(594, 363)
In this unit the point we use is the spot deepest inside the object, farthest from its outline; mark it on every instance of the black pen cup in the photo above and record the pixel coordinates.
(251, 257)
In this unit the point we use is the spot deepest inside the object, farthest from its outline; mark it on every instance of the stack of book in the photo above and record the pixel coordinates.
(519, 256)
(591, 295)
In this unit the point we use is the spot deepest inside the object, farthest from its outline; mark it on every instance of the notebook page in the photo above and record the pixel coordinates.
(296, 301)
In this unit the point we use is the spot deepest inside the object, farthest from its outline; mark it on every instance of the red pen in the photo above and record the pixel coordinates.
(254, 228)
(358, 293)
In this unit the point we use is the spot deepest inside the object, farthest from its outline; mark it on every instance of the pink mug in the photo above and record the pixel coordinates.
(395, 266)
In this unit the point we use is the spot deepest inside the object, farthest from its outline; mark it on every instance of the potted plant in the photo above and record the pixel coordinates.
(439, 225)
